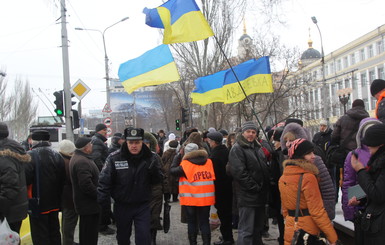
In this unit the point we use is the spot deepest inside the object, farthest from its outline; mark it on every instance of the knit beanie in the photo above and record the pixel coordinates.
(358, 102)
(375, 135)
(66, 147)
(3, 130)
(190, 147)
(99, 127)
(249, 125)
(376, 86)
(216, 136)
(82, 141)
(299, 148)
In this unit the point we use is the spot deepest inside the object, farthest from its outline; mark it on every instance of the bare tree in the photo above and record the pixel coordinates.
(5, 101)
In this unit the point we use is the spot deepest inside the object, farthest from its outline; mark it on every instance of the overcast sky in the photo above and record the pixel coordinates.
(30, 37)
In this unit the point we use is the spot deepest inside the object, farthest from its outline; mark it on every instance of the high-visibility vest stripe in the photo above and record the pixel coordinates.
(197, 188)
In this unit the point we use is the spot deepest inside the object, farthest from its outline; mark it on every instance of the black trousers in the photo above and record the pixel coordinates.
(198, 215)
(45, 229)
(88, 229)
(224, 208)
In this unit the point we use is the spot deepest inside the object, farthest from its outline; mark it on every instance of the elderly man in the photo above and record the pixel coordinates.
(127, 177)
(84, 177)
(46, 177)
(251, 175)
(219, 155)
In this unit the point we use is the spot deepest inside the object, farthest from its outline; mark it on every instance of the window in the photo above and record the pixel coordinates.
(353, 58)
(355, 82)
(363, 79)
(331, 68)
(380, 47)
(362, 54)
(372, 76)
(326, 70)
(347, 85)
(315, 75)
(339, 65)
(346, 64)
(370, 51)
(380, 72)
(373, 102)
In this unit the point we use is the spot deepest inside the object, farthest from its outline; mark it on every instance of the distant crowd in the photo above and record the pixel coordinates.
(249, 176)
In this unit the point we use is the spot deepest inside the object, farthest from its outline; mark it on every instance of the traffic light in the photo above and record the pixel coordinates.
(75, 119)
(184, 115)
(177, 125)
(59, 110)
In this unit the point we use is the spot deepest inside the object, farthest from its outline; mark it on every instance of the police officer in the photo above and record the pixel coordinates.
(127, 177)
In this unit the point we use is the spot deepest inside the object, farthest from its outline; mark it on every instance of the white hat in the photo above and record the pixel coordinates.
(66, 147)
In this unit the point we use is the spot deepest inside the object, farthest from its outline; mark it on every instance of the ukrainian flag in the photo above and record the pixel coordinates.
(154, 67)
(181, 20)
(254, 76)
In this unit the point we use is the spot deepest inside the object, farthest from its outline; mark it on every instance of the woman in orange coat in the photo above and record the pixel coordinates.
(312, 216)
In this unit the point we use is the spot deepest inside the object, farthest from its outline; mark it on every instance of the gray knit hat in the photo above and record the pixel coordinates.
(190, 147)
(249, 125)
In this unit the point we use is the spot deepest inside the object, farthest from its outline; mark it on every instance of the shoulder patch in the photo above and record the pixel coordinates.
(121, 165)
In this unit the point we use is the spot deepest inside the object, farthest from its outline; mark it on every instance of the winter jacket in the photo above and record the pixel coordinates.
(322, 139)
(51, 179)
(325, 181)
(223, 182)
(128, 178)
(345, 125)
(84, 177)
(13, 188)
(350, 176)
(310, 199)
(99, 150)
(170, 183)
(250, 173)
(114, 144)
(372, 182)
(380, 108)
(67, 196)
(196, 184)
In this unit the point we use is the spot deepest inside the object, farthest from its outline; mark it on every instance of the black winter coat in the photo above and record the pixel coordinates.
(84, 177)
(52, 175)
(13, 188)
(250, 173)
(128, 178)
(99, 150)
(223, 182)
(323, 139)
(346, 124)
(372, 181)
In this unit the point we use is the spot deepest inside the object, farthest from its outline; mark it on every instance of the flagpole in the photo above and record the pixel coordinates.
(243, 90)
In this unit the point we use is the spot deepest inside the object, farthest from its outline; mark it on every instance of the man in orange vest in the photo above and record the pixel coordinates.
(196, 190)
(377, 89)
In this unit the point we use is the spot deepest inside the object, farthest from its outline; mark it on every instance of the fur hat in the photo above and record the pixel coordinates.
(3, 130)
(40, 135)
(171, 136)
(376, 86)
(294, 120)
(299, 148)
(82, 141)
(66, 147)
(190, 147)
(216, 136)
(249, 125)
(99, 127)
(375, 135)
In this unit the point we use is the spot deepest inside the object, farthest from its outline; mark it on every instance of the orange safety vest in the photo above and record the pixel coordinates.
(382, 95)
(197, 188)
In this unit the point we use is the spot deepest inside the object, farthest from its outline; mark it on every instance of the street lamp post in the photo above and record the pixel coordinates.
(324, 88)
(105, 53)
(344, 95)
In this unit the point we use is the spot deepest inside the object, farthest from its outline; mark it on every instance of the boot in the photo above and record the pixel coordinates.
(206, 239)
(192, 238)
(153, 236)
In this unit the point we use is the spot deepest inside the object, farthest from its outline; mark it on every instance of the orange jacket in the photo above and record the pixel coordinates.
(197, 188)
(311, 199)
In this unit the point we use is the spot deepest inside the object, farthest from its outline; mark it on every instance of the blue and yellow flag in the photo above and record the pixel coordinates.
(181, 20)
(154, 67)
(254, 76)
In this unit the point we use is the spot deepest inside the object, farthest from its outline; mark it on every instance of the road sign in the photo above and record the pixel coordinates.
(80, 89)
(107, 108)
(109, 131)
(107, 121)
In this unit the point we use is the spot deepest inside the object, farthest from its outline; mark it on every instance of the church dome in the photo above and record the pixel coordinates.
(310, 53)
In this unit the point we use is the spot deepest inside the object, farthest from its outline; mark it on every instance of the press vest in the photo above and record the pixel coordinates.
(197, 188)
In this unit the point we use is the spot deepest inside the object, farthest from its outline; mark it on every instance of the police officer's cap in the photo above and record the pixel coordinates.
(134, 133)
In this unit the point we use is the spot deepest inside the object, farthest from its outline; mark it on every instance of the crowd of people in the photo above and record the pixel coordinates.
(249, 175)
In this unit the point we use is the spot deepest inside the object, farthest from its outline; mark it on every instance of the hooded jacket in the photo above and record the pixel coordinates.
(128, 178)
(350, 176)
(13, 188)
(322, 139)
(250, 173)
(346, 124)
(325, 181)
(310, 199)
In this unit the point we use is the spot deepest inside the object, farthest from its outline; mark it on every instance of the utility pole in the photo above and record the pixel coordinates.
(66, 73)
